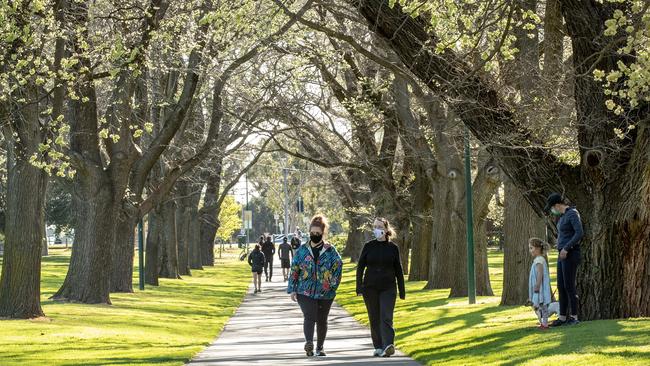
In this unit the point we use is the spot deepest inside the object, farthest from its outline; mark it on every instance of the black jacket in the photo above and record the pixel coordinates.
(256, 260)
(380, 260)
(268, 248)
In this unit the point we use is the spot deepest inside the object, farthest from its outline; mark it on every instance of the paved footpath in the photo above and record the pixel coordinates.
(267, 330)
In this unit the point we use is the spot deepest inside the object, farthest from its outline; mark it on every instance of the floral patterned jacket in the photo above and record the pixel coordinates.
(317, 280)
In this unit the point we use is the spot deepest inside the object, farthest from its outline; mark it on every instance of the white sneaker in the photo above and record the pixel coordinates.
(388, 351)
(378, 352)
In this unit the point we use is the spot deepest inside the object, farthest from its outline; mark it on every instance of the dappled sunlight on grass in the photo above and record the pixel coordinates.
(436, 330)
(166, 325)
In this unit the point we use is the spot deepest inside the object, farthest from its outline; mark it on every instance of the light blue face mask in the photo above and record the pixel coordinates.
(555, 212)
(378, 233)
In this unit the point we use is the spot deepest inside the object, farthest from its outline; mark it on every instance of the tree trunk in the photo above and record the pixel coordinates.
(123, 253)
(152, 253)
(193, 233)
(183, 227)
(356, 236)
(169, 242)
(45, 250)
(444, 233)
(613, 276)
(422, 228)
(520, 224)
(402, 225)
(20, 294)
(481, 266)
(209, 221)
(89, 273)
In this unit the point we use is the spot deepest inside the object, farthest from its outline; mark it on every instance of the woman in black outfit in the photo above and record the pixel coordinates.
(380, 260)
(256, 261)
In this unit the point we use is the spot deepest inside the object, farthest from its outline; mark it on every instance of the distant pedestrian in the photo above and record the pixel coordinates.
(285, 254)
(569, 234)
(315, 275)
(256, 261)
(539, 281)
(379, 275)
(296, 240)
(268, 248)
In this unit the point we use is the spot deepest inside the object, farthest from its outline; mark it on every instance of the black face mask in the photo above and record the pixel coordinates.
(316, 238)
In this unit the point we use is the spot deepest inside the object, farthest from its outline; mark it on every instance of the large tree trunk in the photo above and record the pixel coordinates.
(419, 155)
(169, 242)
(183, 227)
(422, 228)
(520, 224)
(152, 253)
(356, 236)
(21, 269)
(485, 184)
(182, 233)
(209, 218)
(194, 227)
(445, 233)
(123, 253)
(89, 273)
(24, 218)
(613, 275)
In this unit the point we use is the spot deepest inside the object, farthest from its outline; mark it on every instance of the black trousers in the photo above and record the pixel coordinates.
(566, 283)
(380, 305)
(268, 266)
(315, 313)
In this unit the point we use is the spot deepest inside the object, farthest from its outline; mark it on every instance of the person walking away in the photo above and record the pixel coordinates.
(285, 254)
(256, 261)
(315, 276)
(539, 280)
(379, 272)
(268, 248)
(569, 234)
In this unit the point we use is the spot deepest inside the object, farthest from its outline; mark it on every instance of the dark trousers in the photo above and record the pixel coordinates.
(268, 266)
(380, 306)
(566, 283)
(315, 313)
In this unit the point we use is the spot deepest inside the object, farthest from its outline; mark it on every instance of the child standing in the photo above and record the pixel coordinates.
(539, 282)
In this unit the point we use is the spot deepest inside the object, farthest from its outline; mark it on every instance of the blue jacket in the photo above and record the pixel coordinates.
(316, 280)
(569, 230)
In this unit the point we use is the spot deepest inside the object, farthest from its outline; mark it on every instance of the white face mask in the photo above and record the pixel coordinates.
(378, 233)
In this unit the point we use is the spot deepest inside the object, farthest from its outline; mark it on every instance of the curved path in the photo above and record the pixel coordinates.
(267, 330)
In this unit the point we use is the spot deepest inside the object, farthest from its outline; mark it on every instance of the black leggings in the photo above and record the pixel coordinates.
(268, 265)
(315, 313)
(566, 283)
(380, 305)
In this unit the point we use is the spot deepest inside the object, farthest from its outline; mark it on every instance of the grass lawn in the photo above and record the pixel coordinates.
(438, 331)
(166, 325)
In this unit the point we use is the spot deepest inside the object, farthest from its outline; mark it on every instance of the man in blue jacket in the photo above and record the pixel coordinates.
(569, 234)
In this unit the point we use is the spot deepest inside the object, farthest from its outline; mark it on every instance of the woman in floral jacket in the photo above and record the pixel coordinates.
(315, 276)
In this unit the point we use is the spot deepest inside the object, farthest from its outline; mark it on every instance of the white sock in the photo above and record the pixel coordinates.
(562, 318)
